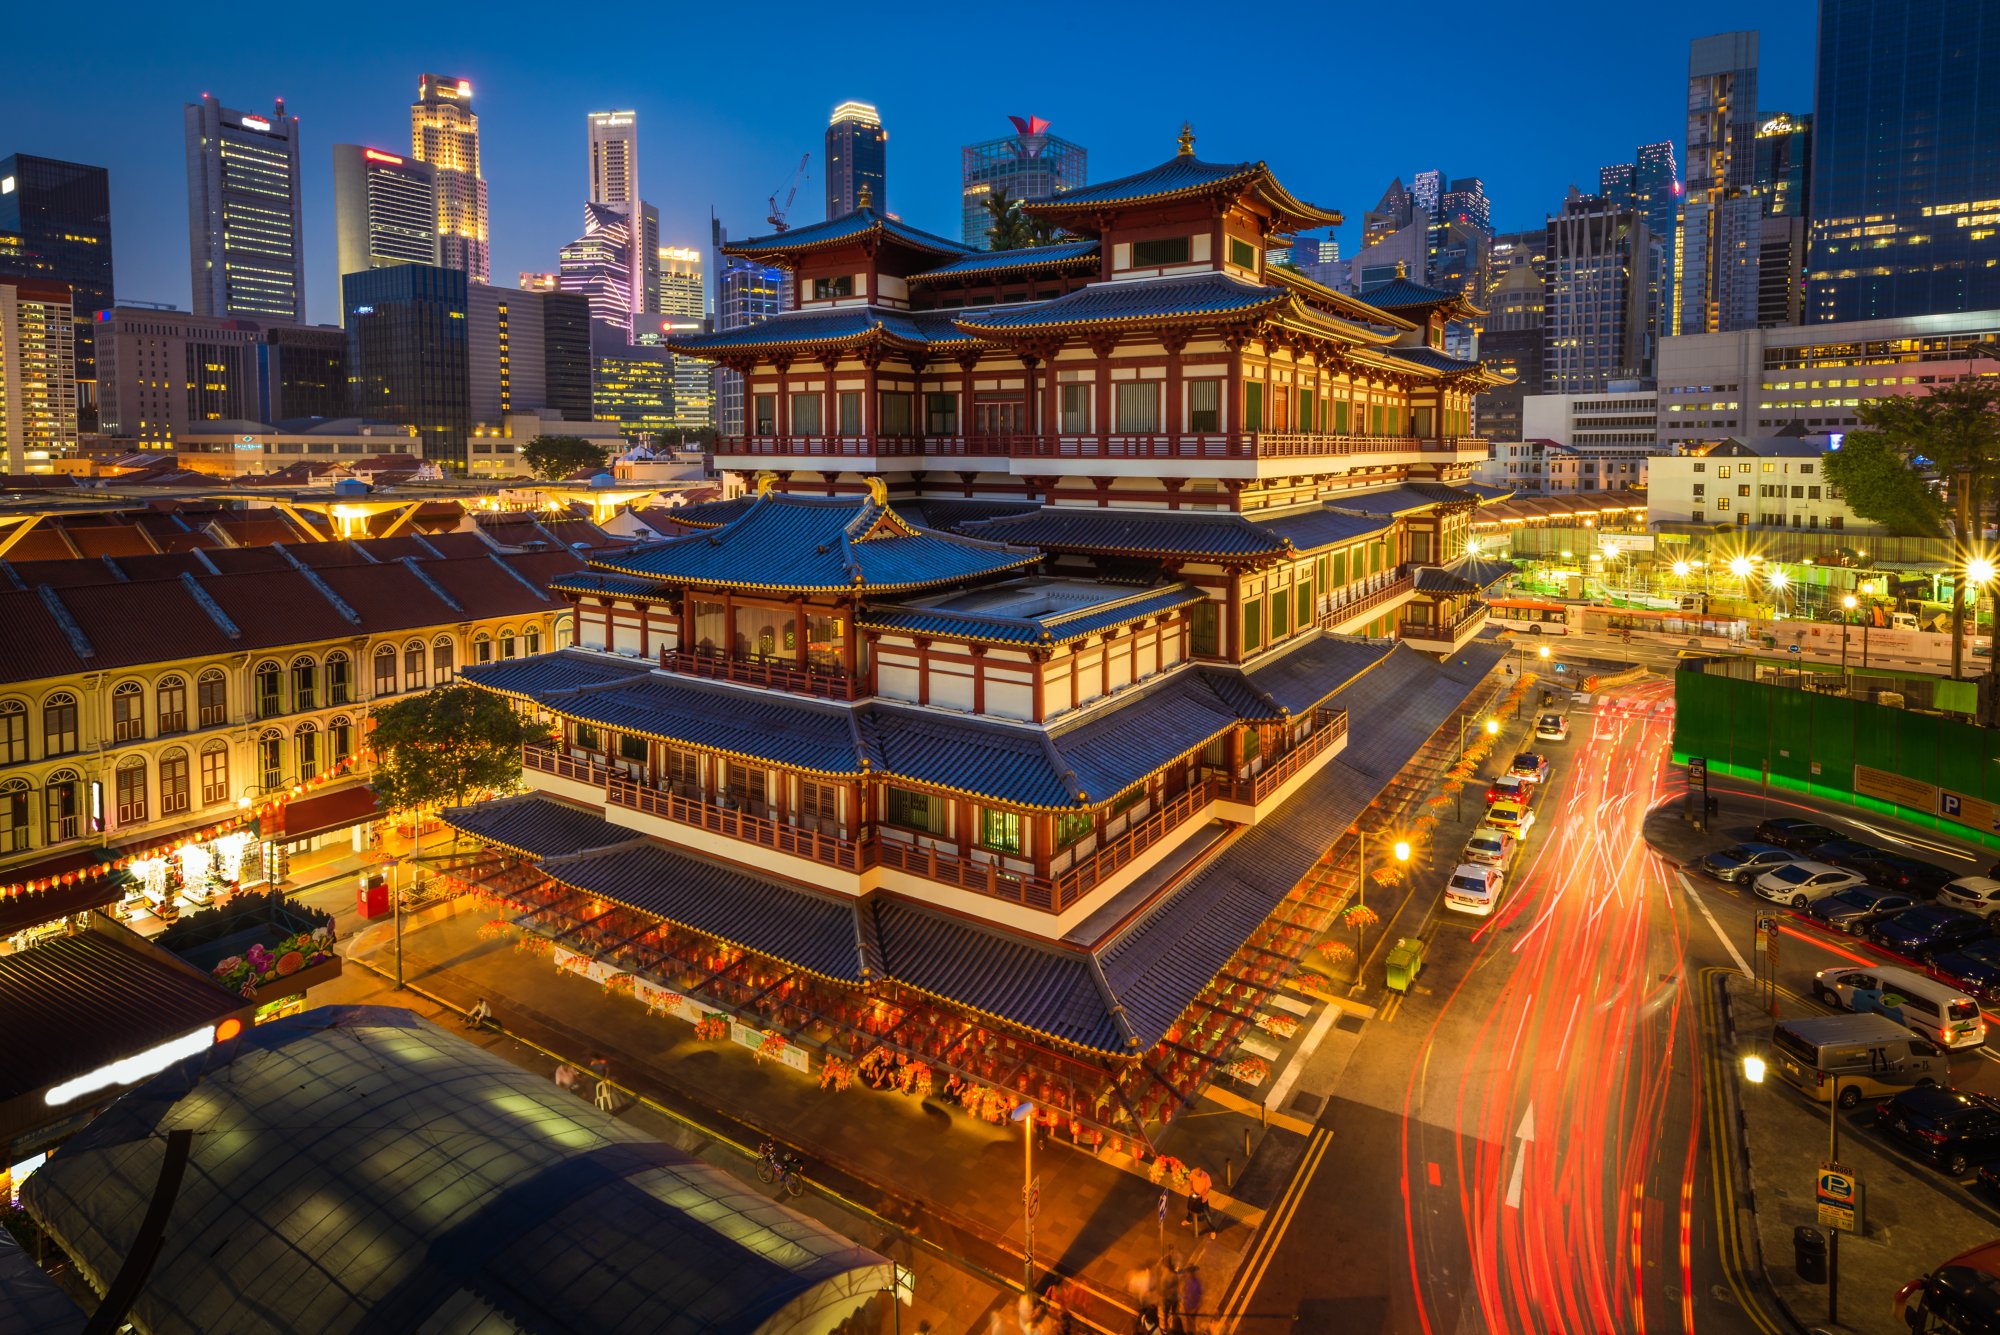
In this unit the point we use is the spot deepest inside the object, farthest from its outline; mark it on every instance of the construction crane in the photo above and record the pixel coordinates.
(778, 211)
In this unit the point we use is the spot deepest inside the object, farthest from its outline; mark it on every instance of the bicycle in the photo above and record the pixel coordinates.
(780, 1167)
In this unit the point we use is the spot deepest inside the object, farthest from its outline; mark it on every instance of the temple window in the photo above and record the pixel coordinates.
(745, 786)
(818, 804)
(1340, 417)
(1204, 623)
(683, 771)
(764, 413)
(586, 738)
(1242, 254)
(914, 811)
(896, 413)
(1138, 408)
(848, 405)
(1072, 826)
(1076, 409)
(1160, 251)
(942, 412)
(707, 625)
(1204, 405)
(806, 414)
(826, 641)
(1253, 625)
(1253, 405)
(832, 289)
(1305, 597)
(1281, 608)
(762, 632)
(1000, 830)
(631, 748)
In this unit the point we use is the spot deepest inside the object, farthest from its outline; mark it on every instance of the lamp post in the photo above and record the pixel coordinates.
(1753, 1071)
(1847, 605)
(1024, 1113)
(1868, 588)
(1492, 730)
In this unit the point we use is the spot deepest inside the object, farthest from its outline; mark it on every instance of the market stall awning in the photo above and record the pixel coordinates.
(304, 817)
(21, 906)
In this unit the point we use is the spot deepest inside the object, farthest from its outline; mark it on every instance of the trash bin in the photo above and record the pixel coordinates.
(372, 901)
(1809, 1254)
(1403, 961)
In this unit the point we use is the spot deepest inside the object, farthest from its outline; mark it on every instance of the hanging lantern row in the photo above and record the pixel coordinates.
(268, 807)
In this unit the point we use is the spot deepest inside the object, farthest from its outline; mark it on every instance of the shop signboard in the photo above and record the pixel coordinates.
(575, 962)
(751, 1037)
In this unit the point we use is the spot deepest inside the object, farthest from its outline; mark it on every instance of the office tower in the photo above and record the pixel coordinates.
(746, 293)
(55, 223)
(541, 282)
(302, 373)
(506, 352)
(1427, 190)
(1466, 202)
(1390, 215)
(384, 209)
(165, 373)
(1456, 260)
(1510, 339)
(245, 242)
(1656, 194)
(614, 186)
(37, 373)
(444, 132)
(634, 387)
(598, 266)
(1600, 297)
(1615, 184)
(408, 331)
(684, 309)
(857, 159)
(1780, 183)
(1031, 163)
(566, 339)
(648, 241)
(1905, 160)
(1715, 286)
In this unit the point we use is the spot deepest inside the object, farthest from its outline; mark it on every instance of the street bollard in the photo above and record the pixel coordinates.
(1229, 1172)
(1246, 1143)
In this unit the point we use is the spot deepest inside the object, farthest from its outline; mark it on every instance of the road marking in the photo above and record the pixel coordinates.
(1275, 1224)
(1328, 1015)
(1714, 926)
(1436, 1176)
(1525, 1133)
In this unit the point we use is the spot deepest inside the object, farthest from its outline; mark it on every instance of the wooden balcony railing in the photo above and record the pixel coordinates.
(545, 761)
(795, 841)
(1454, 444)
(1186, 446)
(1343, 609)
(843, 447)
(1425, 630)
(1092, 871)
(981, 878)
(1329, 726)
(771, 674)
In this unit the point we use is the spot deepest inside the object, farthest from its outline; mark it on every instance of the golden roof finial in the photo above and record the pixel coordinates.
(1402, 268)
(767, 482)
(867, 198)
(1187, 140)
(878, 492)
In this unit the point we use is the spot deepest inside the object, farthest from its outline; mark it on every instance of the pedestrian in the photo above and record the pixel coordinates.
(607, 1097)
(600, 1066)
(1168, 1286)
(480, 1013)
(1200, 1216)
(566, 1077)
(1191, 1296)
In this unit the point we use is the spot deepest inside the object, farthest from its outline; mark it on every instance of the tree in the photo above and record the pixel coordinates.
(441, 747)
(1011, 228)
(555, 457)
(1929, 465)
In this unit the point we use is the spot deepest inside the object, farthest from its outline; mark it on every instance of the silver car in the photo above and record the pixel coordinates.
(1489, 847)
(1803, 882)
(1974, 894)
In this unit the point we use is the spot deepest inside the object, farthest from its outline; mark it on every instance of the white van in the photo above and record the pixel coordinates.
(1939, 1014)
(1867, 1056)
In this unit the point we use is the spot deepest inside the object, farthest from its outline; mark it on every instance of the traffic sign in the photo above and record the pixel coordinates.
(1163, 1207)
(1033, 1191)
(1838, 1192)
(1698, 770)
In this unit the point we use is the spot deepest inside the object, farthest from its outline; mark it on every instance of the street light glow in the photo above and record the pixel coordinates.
(1402, 850)
(1543, 651)
(1681, 569)
(1493, 727)
(1753, 1069)
(1779, 579)
(1849, 601)
(1741, 566)
(1979, 570)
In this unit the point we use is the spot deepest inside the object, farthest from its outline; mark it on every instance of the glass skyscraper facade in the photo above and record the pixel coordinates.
(1714, 286)
(55, 222)
(408, 354)
(1905, 160)
(246, 242)
(1031, 163)
(444, 131)
(857, 159)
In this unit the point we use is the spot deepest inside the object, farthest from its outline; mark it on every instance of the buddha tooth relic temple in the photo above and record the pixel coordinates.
(1087, 596)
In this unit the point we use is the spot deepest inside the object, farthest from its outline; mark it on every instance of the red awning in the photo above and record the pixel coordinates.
(303, 817)
(29, 908)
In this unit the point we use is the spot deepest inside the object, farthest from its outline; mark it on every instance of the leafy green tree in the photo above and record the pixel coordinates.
(441, 747)
(1929, 465)
(553, 458)
(1011, 228)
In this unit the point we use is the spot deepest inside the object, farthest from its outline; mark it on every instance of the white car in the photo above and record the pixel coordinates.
(1489, 847)
(1974, 894)
(1473, 889)
(1552, 728)
(1801, 883)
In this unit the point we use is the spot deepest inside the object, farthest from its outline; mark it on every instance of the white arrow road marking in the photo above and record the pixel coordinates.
(1525, 1133)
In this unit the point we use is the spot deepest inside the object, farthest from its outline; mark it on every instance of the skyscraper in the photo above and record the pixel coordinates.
(1391, 214)
(246, 247)
(598, 265)
(444, 132)
(1656, 194)
(746, 293)
(1466, 202)
(1905, 160)
(1715, 242)
(1427, 190)
(857, 158)
(407, 353)
(684, 308)
(1780, 183)
(1600, 297)
(384, 209)
(614, 184)
(37, 373)
(1614, 184)
(1031, 163)
(55, 223)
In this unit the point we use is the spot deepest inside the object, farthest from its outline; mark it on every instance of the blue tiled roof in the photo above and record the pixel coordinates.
(829, 327)
(1481, 571)
(1188, 535)
(1111, 749)
(1042, 987)
(1063, 255)
(802, 927)
(948, 512)
(1184, 175)
(967, 755)
(599, 581)
(1433, 360)
(1320, 526)
(1051, 629)
(1436, 579)
(714, 514)
(810, 544)
(1202, 296)
(844, 230)
(762, 725)
(1485, 491)
(1401, 293)
(1401, 499)
(543, 674)
(1307, 675)
(538, 826)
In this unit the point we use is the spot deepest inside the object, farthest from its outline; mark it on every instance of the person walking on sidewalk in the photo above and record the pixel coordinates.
(1168, 1286)
(480, 1013)
(1200, 1216)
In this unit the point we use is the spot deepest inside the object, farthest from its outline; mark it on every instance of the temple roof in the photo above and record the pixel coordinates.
(534, 826)
(830, 328)
(1204, 296)
(1187, 177)
(1438, 580)
(539, 675)
(1403, 293)
(1078, 255)
(1403, 499)
(1180, 534)
(1433, 360)
(1006, 621)
(810, 544)
(1354, 307)
(862, 225)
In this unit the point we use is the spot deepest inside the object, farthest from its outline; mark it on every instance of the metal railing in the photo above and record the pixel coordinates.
(1140, 446)
(768, 673)
(792, 840)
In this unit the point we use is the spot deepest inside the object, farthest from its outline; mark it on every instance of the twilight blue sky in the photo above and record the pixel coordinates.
(1529, 98)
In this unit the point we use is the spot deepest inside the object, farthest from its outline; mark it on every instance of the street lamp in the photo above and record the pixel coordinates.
(1753, 1071)
(1024, 1113)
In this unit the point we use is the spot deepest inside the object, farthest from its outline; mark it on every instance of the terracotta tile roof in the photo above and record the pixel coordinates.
(43, 543)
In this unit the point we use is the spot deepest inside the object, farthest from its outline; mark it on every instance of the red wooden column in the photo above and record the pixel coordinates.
(966, 418)
(1173, 422)
(1232, 635)
(783, 416)
(1102, 423)
(871, 409)
(979, 679)
(799, 633)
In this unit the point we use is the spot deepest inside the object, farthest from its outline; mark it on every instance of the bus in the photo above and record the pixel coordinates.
(1684, 623)
(1530, 615)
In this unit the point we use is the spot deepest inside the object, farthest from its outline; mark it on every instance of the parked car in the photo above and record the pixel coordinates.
(1854, 908)
(1489, 847)
(1473, 889)
(1974, 894)
(1530, 766)
(1950, 1127)
(1800, 883)
(1974, 967)
(1740, 864)
(1797, 835)
(1923, 931)
(1849, 853)
(1552, 728)
(1912, 875)
(1507, 788)
(1510, 818)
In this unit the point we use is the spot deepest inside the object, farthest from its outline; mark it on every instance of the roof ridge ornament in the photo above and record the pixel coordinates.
(1187, 140)
(1402, 268)
(866, 200)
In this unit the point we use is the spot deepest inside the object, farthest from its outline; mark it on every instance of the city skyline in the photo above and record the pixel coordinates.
(724, 148)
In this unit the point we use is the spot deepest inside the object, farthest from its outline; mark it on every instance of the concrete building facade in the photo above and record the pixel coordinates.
(37, 373)
(246, 240)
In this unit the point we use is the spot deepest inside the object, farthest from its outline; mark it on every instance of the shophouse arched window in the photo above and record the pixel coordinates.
(63, 806)
(268, 689)
(482, 648)
(214, 773)
(173, 781)
(211, 697)
(305, 747)
(339, 679)
(271, 760)
(17, 815)
(413, 666)
(340, 739)
(531, 641)
(13, 732)
(565, 631)
(172, 699)
(305, 683)
(444, 660)
(131, 790)
(385, 670)
(507, 642)
(128, 712)
(59, 724)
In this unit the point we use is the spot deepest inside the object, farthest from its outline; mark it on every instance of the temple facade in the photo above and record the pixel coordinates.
(1001, 726)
